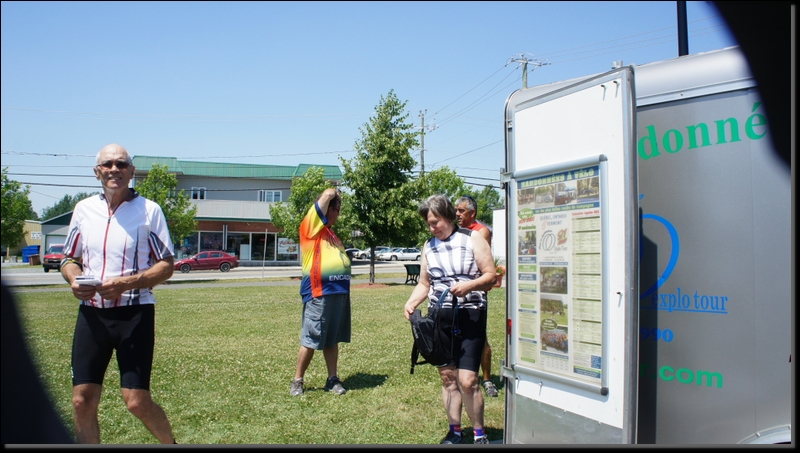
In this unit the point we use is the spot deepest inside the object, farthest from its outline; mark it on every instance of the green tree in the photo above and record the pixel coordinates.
(305, 189)
(443, 181)
(383, 200)
(488, 200)
(65, 205)
(159, 186)
(16, 209)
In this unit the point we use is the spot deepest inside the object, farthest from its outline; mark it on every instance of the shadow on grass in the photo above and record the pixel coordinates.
(494, 434)
(364, 284)
(364, 380)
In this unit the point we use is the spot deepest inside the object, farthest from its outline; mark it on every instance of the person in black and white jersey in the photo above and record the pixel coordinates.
(459, 260)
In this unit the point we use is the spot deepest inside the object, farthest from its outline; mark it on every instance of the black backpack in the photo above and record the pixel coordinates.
(429, 338)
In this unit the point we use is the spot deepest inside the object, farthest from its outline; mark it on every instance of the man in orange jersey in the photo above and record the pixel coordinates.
(325, 290)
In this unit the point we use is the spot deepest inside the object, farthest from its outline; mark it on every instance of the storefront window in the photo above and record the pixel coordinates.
(246, 246)
(239, 245)
(257, 252)
(188, 247)
(263, 244)
(210, 241)
(271, 246)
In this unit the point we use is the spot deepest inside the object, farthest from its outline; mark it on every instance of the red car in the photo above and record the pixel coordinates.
(211, 259)
(52, 260)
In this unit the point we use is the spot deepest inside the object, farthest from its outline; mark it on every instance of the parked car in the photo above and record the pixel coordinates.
(352, 253)
(364, 254)
(52, 259)
(385, 255)
(401, 254)
(211, 259)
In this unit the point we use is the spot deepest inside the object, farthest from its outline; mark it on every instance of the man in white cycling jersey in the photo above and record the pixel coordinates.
(121, 239)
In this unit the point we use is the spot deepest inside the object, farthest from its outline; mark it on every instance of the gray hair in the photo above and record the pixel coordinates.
(440, 206)
(127, 155)
(471, 203)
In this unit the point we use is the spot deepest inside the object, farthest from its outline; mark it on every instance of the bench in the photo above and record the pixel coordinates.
(412, 273)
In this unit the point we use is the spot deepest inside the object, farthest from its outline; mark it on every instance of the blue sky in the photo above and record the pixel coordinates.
(285, 83)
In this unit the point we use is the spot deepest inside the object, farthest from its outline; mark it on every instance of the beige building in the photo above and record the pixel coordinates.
(32, 237)
(233, 207)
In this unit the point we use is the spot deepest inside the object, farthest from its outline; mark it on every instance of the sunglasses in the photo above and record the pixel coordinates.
(121, 164)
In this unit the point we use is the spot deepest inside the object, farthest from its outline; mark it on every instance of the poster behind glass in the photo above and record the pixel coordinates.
(559, 269)
(287, 249)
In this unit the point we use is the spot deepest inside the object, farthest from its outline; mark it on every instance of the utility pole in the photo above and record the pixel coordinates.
(422, 142)
(683, 35)
(523, 60)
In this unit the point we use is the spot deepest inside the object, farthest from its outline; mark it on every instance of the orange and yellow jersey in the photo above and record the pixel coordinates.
(326, 267)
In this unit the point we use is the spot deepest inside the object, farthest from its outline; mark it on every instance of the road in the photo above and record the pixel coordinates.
(20, 275)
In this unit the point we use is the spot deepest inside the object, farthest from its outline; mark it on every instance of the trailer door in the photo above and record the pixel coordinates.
(572, 229)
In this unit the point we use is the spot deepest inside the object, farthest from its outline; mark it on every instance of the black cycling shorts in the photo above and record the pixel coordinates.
(129, 330)
(468, 347)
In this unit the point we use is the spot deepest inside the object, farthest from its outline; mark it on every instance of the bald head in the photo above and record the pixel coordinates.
(113, 151)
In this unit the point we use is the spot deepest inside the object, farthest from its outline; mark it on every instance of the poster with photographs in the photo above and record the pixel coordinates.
(559, 262)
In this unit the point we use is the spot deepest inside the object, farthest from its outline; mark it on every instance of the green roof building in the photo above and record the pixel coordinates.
(233, 205)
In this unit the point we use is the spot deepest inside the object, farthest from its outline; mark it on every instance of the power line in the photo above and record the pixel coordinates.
(51, 175)
(470, 90)
(470, 151)
(423, 129)
(592, 53)
(563, 53)
(475, 103)
(45, 195)
(34, 184)
(478, 177)
(20, 153)
(539, 63)
(48, 166)
(523, 61)
(695, 32)
(97, 187)
(604, 51)
(112, 115)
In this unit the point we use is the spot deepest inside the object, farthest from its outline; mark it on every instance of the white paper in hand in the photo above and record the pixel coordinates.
(86, 280)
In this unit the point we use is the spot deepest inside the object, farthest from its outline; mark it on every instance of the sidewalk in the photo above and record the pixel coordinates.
(289, 276)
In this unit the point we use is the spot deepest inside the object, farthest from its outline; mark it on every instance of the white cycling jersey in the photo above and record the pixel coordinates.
(125, 242)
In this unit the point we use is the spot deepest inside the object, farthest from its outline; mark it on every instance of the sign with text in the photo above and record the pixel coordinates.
(287, 246)
(560, 273)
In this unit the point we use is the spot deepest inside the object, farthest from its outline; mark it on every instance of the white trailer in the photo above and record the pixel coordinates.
(649, 285)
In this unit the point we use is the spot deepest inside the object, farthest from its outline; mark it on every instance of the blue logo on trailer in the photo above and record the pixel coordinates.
(682, 300)
(673, 257)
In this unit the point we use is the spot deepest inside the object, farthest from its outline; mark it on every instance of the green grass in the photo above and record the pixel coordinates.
(225, 357)
(280, 279)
